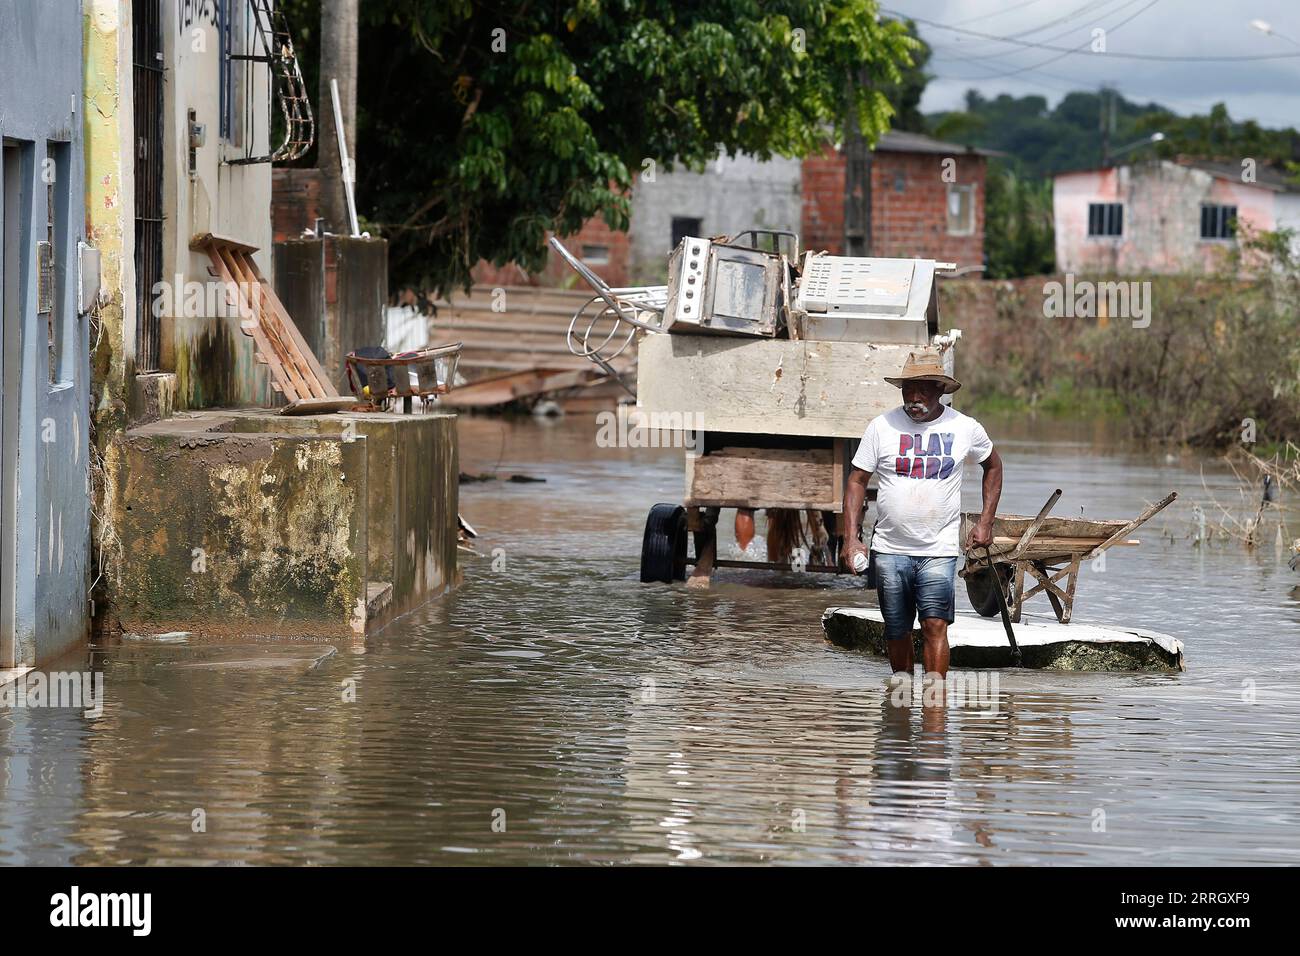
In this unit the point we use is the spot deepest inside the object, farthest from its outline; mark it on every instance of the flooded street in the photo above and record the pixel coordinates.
(552, 709)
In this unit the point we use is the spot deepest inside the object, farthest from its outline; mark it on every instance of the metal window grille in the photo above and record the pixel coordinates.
(1218, 222)
(148, 76)
(1105, 219)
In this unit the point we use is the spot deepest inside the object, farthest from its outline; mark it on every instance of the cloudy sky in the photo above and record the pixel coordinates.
(1267, 90)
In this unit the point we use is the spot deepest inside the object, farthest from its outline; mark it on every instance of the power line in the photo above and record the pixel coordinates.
(1115, 55)
(1066, 32)
(998, 13)
(1065, 18)
(959, 42)
(1060, 56)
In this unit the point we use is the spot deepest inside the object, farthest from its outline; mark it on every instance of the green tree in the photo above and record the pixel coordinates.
(482, 128)
(905, 95)
(1019, 239)
(1217, 136)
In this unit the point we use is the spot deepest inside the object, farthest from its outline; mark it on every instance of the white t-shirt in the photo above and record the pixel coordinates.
(919, 467)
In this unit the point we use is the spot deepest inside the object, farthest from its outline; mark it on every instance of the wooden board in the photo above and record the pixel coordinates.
(769, 387)
(320, 406)
(763, 478)
(294, 370)
(500, 389)
(1013, 526)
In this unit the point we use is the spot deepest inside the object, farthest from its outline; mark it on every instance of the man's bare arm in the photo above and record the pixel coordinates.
(991, 488)
(855, 497)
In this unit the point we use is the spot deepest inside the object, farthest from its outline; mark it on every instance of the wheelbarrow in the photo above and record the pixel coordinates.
(381, 378)
(1046, 550)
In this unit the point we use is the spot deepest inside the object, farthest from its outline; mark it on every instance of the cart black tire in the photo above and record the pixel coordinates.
(980, 591)
(663, 549)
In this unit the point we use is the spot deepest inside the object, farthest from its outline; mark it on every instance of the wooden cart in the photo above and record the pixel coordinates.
(775, 388)
(777, 423)
(1047, 550)
(738, 470)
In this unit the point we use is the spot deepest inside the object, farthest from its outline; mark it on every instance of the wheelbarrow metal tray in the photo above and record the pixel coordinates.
(978, 642)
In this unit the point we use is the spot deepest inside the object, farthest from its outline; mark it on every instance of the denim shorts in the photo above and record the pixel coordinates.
(908, 588)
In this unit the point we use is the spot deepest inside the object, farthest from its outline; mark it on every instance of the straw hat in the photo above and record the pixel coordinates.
(925, 366)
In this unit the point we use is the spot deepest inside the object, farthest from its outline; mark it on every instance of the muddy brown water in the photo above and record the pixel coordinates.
(554, 710)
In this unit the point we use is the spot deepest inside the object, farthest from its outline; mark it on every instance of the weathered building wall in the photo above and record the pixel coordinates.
(733, 194)
(909, 213)
(1162, 218)
(909, 205)
(336, 289)
(608, 257)
(412, 495)
(248, 521)
(213, 361)
(281, 511)
(1286, 215)
(44, 345)
(110, 184)
(295, 201)
(242, 533)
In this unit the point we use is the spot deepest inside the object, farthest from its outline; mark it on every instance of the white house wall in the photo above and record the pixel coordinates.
(1287, 207)
(731, 195)
(213, 360)
(1162, 218)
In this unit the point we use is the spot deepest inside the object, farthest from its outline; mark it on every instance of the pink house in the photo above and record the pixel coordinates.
(1164, 216)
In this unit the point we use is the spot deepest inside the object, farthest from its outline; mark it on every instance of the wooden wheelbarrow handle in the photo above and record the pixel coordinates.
(1133, 525)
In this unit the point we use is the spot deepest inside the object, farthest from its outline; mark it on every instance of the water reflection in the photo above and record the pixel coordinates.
(554, 710)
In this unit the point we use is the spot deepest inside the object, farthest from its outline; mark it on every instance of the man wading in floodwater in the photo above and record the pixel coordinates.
(917, 450)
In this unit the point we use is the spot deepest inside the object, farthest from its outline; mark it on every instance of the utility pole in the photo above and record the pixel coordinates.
(338, 60)
(857, 177)
(1107, 123)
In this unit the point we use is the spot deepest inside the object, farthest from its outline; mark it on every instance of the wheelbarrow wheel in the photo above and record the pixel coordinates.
(979, 588)
(663, 549)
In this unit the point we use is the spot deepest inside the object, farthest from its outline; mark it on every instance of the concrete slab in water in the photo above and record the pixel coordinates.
(981, 642)
(302, 657)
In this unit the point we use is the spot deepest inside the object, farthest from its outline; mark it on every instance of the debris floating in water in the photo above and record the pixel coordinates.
(977, 642)
(468, 479)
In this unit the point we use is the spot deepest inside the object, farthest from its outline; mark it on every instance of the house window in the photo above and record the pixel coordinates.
(595, 255)
(685, 226)
(1218, 222)
(1105, 219)
(961, 209)
(234, 42)
(53, 268)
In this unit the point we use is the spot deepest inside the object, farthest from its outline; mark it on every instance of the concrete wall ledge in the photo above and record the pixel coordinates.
(238, 521)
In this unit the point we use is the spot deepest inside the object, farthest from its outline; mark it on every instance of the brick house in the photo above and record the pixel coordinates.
(603, 249)
(927, 200)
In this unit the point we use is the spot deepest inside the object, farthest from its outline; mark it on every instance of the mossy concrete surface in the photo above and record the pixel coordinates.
(412, 495)
(244, 521)
(229, 533)
(981, 643)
